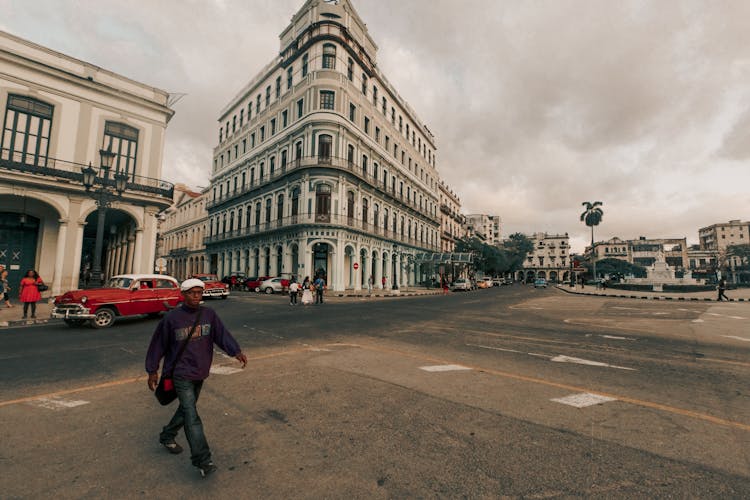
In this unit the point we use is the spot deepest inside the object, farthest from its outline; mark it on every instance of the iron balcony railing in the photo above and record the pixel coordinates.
(318, 220)
(339, 164)
(71, 171)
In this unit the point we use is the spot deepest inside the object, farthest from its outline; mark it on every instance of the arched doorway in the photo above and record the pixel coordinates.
(363, 265)
(279, 260)
(18, 245)
(295, 260)
(321, 253)
(553, 276)
(118, 245)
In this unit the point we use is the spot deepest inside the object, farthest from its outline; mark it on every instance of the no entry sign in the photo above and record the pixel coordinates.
(356, 266)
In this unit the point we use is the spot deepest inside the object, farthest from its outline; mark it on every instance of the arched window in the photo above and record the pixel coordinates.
(329, 56)
(25, 137)
(325, 148)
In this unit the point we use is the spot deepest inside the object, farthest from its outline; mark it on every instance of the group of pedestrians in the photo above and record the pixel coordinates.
(29, 290)
(306, 290)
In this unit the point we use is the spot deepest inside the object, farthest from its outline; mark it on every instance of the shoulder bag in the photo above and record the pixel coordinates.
(165, 392)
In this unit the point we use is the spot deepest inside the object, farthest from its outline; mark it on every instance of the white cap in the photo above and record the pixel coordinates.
(191, 283)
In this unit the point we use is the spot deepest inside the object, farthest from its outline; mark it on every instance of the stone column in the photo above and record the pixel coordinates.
(308, 259)
(129, 250)
(138, 251)
(337, 259)
(379, 271)
(62, 234)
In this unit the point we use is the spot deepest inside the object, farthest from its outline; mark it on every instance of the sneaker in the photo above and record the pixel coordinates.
(173, 448)
(206, 468)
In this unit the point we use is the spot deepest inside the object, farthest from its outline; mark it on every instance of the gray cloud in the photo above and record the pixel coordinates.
(537, 106)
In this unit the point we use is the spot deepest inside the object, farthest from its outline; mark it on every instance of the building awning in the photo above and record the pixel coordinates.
(444, 258)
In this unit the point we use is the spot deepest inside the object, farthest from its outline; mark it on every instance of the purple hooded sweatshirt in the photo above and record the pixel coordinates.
(195, 362)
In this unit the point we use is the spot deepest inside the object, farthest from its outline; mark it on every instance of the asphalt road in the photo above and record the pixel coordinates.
(466, 395)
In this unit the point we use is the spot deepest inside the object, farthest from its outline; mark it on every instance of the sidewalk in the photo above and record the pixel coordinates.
(403, 292)
(12, 316)
(738, 295)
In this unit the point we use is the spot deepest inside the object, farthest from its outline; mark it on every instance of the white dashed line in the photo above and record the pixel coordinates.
(224, 370)
(57, 403)
(443, 368)
(615, 337)
(583, 400)
(494, 348)
(579, 361)
(737, 317)
(736, 338)
(698, 321)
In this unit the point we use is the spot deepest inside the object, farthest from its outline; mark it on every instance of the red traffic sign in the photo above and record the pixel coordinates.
(356, 266)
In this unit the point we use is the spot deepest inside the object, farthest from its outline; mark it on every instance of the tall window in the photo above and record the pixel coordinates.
(364, 165)
(375, 96)
(365, 206)
(350, 154)
(350, 206)
(323, 203)
(367, 125)
(364, 83)
(257, 104)
(305, 60)
(268, 96)
(300, 108)
(280, 207)
(350, 70)
(325, 148)
(295, 201)
(268, 210)
(271, 166)
(329, 56)
(327, 98)
(284, 118)
(257, 215)
(26, 130)
(283, 159)
(352, 112)
(122, 140)
(298, 151)
(289, 77)
(278, 87)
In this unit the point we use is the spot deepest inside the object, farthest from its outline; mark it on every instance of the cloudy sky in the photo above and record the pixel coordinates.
(537, 105)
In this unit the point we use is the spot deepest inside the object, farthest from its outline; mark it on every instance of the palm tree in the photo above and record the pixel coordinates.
(592, 216)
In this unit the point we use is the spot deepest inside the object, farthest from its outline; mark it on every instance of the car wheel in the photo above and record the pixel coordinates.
(257, 289)
(104, 318)
(269, 290)
(74, 322)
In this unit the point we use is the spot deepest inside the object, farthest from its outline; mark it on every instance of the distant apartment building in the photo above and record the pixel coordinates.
(550, 258)
(484, 227)
(711, 255)
(720, 236)
(642, 251)
(181, 231)
(59, 115)
(451, 220)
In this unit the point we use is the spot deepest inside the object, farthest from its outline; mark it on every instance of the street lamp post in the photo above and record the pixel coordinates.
(104, 195)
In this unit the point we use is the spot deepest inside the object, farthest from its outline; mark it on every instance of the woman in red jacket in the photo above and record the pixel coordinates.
(30, 292)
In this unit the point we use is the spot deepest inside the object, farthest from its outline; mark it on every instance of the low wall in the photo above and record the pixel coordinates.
(666, 288)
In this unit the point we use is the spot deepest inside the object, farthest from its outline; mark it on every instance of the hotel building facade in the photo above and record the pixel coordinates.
(321, 167)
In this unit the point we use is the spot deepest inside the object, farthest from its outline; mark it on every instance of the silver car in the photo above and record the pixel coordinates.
(272, 285)
(461, 284)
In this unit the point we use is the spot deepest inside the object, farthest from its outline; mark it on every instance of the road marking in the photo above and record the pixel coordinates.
(494, 348)
(583, 399)
(737, 317)
(224, 370)
(443, 368)
(579, 361)
(57, 403)
(515, 376)
(736, 338)
(698, 321)
(615, 337)
(626, 308)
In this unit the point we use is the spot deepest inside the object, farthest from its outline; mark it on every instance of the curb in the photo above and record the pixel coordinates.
(24, 322)
(387, 295)
(644, 297)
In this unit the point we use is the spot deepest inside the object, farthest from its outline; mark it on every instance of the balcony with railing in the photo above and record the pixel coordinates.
(56, 169)
(328, 162)
(341, 221)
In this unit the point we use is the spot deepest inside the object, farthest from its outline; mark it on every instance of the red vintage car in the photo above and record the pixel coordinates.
(124, 295)
(213, 286)
(253, 284)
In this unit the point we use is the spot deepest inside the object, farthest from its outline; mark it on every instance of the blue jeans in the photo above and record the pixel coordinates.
(187, 416)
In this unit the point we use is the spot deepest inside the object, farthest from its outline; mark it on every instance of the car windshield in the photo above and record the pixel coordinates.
(118, 282)
(208, 278)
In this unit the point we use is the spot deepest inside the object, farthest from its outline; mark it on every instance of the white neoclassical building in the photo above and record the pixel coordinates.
(321, 167)
(182, 229)
(549, 259)
(58, 113)
(452, 222)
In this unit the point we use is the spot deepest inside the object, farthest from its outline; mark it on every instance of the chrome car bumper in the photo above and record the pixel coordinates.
(215, 292)
(72, 311)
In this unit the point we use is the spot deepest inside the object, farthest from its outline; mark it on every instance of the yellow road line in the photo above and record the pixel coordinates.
(568, 387)
(124, 381)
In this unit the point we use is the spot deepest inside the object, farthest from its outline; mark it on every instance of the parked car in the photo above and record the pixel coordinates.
(275, 285)
(461, 284)
(488, 283)
(123, 295)
(234, 280)
(253, 284)
(497, 281)
(540, 283)
(213, 287)
(507, 281)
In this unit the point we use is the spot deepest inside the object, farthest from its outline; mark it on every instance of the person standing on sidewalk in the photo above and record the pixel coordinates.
(191, 369)
(30, 292)
(722, 286)
(5, 287)
(319, 284)
(370, 282)
(293, 289)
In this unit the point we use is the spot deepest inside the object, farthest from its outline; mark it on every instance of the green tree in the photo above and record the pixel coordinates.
(742, 252)
(516, 249)
(618, 267)
(592, 216)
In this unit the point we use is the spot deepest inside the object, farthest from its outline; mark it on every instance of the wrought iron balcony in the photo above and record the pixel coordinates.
(340, 221)
(327, 162)
(70, 171)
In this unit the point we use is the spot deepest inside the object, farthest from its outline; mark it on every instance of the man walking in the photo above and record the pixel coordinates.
(722, 286)
(293, 289)
(319, 284)
(185, 339)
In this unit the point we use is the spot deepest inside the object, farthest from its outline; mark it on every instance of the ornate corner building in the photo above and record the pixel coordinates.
(58, 113)
(321, 168)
